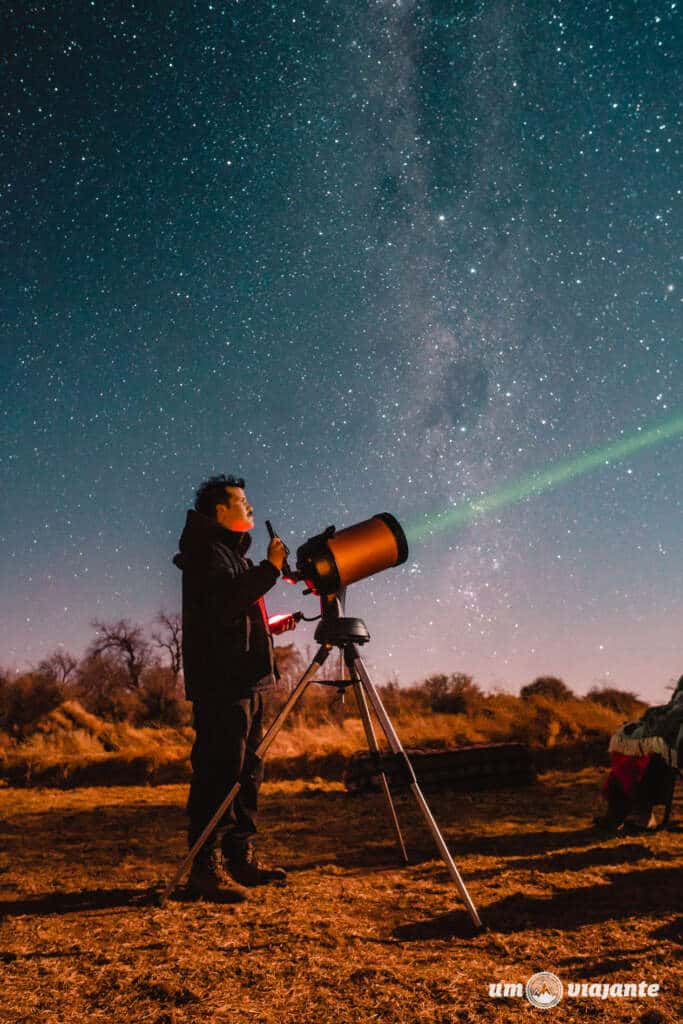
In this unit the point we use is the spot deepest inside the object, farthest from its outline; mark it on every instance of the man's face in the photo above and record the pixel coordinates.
(237, 514)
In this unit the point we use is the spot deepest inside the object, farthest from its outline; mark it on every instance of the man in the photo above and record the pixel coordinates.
(228, 660)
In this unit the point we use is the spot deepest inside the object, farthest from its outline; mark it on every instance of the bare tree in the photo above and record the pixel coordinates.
(171, 639)
(60, 666)
(127, 643)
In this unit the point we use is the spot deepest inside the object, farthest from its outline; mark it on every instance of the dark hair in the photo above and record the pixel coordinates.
(212, 493)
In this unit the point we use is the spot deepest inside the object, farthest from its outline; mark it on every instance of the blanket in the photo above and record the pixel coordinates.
(659, 731)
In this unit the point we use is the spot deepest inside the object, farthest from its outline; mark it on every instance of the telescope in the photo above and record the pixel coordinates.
(332, 560)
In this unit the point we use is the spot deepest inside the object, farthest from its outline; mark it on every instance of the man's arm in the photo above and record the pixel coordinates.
(236, 592)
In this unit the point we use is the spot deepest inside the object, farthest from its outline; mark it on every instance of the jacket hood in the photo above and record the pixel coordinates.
(199, 532)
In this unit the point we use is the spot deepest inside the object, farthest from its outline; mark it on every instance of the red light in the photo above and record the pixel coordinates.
(275, 619)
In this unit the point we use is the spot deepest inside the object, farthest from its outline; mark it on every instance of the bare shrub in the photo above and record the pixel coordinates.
(60, 665)
(170, 639)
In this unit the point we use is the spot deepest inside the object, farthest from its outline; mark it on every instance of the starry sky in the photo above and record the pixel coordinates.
(372, 256)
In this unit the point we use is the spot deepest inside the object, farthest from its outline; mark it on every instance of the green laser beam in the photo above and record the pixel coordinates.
(540, 481)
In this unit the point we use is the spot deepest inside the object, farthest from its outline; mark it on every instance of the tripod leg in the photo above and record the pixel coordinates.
(374, 750)
(395, 744)
(259, 753)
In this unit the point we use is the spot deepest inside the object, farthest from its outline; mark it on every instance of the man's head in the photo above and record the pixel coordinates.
(222, 498)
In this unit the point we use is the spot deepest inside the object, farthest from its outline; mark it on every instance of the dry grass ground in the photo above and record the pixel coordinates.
(352, 937)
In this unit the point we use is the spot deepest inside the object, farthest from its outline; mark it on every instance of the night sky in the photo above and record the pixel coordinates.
(373, 256)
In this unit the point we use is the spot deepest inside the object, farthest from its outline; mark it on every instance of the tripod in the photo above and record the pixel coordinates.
(335, 630)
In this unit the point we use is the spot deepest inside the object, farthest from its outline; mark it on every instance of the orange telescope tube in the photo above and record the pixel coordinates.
(364, 549)
(333, 560)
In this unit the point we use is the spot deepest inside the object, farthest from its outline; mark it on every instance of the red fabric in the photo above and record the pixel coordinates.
(264, 613)
(628, 771)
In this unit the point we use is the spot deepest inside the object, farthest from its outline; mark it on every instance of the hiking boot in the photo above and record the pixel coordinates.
(209, 881)
(245, 867)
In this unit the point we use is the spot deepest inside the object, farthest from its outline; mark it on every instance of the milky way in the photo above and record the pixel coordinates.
(373, 256)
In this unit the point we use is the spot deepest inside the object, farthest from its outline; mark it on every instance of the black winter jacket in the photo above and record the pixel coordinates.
(227, 646)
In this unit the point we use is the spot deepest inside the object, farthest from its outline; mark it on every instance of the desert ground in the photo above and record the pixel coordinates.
(353, 936)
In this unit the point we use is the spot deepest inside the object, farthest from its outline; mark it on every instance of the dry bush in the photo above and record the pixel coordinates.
(547, 686)
(623, 702)
(392, 697)
(428, 731)
(320, 739)
(541, 721)
(319, 706)
(113, 718)
(437, 731)
(413, 700)
(454, 694)
(162, 698)
(25, 698)
(501, 718)
(71, 736)
(102, 687)
(290, 664)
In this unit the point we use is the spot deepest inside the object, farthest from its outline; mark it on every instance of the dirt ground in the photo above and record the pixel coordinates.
(352, 937)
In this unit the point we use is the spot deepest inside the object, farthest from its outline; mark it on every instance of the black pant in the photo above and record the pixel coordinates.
(227, 733)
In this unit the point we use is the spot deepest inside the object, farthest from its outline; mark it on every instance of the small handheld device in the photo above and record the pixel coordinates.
(287, 573)
(283, 622)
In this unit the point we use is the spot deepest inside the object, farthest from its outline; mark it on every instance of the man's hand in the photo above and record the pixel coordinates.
(277, 553)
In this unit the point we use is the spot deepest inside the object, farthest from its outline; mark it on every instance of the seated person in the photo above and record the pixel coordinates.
(645, 763)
